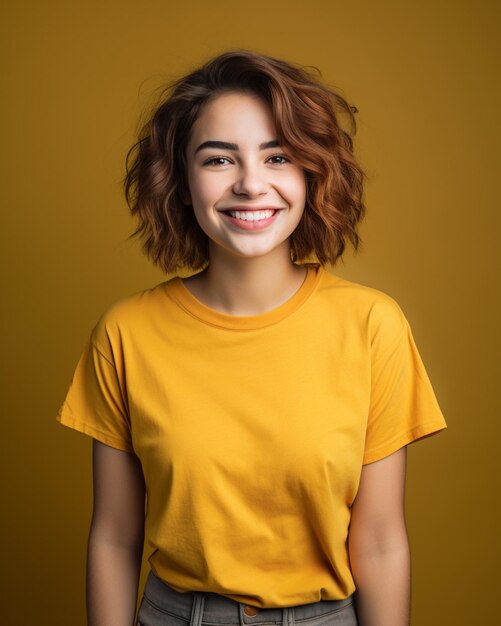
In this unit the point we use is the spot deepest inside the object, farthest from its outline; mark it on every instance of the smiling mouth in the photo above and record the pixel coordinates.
(251, 215)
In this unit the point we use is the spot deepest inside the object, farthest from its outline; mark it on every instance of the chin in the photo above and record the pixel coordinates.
(255, 252)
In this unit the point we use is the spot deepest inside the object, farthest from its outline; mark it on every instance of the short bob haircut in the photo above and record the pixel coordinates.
(307, 117)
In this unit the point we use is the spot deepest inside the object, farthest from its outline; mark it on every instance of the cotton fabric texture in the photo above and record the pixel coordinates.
(252, 430)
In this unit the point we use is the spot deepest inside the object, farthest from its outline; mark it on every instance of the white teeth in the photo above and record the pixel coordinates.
(251, 216)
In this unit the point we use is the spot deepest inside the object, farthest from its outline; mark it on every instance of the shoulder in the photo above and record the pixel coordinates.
(375, 309)
(128, 315)
(356, 297)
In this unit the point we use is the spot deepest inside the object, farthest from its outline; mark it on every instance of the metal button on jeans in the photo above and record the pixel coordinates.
(250, 611)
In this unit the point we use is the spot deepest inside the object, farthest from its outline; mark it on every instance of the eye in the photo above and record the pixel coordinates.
(218, 160)
(279, 159)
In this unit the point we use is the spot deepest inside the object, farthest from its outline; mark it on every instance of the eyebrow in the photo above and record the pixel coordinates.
(224, 145)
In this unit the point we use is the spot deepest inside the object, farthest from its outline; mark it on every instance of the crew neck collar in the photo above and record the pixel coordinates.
(187, 301)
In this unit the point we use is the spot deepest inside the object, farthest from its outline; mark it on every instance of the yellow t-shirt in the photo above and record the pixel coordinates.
(252, 430)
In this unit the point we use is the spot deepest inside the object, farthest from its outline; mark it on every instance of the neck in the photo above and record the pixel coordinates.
(247, 286)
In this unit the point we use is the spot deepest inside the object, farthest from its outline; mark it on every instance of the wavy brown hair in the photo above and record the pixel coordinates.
(307, 116)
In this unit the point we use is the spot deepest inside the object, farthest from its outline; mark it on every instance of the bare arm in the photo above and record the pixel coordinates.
(116, 537)
(378, 544)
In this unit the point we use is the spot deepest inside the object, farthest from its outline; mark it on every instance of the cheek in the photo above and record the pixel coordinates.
(296, 188)
(206, 189)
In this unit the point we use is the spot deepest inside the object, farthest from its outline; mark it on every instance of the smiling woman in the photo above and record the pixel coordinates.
(247, 198)
(262, 403)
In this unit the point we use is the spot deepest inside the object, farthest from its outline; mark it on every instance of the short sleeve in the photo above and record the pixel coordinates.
(403, 405)
(96, 402)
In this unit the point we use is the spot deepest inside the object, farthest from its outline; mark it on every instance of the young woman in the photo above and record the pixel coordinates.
(262, 403)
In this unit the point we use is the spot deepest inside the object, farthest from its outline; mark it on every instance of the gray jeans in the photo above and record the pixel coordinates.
(163, 606)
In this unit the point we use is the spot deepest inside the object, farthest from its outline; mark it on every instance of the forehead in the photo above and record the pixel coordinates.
(234, 117)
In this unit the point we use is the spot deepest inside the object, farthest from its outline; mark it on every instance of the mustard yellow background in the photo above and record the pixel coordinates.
(76, 76)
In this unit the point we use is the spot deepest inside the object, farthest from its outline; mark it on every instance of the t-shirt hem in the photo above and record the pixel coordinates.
(86, 429)
(410, 436)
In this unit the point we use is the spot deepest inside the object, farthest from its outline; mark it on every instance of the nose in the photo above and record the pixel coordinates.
(251, 181)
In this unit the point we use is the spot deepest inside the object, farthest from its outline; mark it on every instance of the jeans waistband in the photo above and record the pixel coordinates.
(192, 606)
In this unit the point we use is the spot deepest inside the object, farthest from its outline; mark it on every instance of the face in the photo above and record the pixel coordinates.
(247, 192)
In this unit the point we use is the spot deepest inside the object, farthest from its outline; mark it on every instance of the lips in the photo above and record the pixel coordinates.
(254, 224)
(247, 208)
(252, 215)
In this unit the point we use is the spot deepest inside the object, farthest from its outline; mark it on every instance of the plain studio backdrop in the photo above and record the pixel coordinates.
(76, 76)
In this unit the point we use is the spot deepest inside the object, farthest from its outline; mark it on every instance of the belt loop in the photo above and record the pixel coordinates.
(197, 609)
(288, 616)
